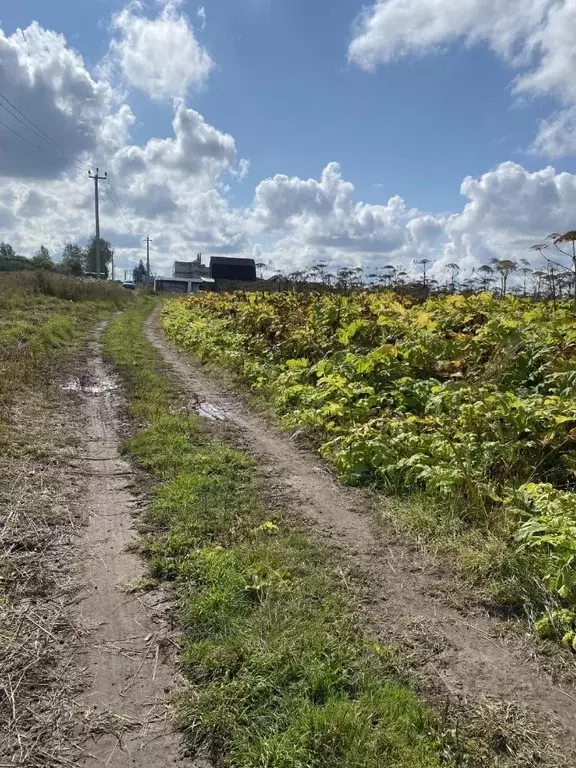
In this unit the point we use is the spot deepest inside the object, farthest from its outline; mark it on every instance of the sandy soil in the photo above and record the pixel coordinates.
(470, 655)
(127, 642)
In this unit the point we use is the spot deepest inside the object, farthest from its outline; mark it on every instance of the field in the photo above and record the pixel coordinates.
(180, 580)
(462, 406)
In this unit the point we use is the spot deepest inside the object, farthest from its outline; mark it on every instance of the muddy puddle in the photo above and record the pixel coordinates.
(89, 386)
(210, 411)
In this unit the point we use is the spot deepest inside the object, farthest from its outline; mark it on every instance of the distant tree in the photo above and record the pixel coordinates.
(10, 261)
(389, 273)
(321, 268)
(73, 259)
(400, 278)
(539, 275)
(568, 239)
(6, 251)
(345, 279)
(261, 266)
(454, 270)
(525, 272)
(139, 272)
(423, 263)
(106, 256)
(486, 276)
(551, 278)
(42, 259)
(505, 267)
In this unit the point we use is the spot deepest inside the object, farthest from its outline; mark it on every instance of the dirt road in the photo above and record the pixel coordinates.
(465, 654)
(127, 640)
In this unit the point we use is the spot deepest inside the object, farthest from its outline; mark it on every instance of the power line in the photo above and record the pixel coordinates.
(32, 144)
(31, 126)
(116, 202)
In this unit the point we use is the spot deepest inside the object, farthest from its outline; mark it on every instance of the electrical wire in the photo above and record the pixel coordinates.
(38, 133)
(116, 202)
(32, 127)
(32, 144)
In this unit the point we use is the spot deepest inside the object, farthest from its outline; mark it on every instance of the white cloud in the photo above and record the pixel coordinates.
(196, 155)
(174, 186)
(557, 135)
(320, 219)
(509, 210)
(392, 29)
(201, 13)
(159, 56)
(48, 82)
(534, 37)
(171, 185)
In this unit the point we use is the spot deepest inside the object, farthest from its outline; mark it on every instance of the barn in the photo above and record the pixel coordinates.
(232, 268)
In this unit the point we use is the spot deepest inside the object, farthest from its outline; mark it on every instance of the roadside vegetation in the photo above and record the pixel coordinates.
(280, 675)
(463, 405)
(43, 319)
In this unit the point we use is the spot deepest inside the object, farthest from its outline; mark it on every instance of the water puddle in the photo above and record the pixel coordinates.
(88, 386)
(211, 412)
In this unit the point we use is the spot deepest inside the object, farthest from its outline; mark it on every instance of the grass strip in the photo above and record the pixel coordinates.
(43, 320)
(280, 675)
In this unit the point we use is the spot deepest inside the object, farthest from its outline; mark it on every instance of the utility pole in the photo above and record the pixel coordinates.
(148, 241)
(97, 178)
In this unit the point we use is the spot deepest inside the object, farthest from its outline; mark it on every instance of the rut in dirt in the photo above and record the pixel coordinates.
(465, 652)
(127, 647)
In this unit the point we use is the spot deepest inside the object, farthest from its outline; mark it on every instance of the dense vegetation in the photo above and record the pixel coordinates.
(281, 676)
(74, 260)
(467, 404)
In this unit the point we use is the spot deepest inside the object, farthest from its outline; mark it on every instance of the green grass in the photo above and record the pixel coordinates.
(43, 320)
(280, 676)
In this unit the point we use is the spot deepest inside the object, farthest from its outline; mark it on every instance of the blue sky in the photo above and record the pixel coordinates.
(408, 100)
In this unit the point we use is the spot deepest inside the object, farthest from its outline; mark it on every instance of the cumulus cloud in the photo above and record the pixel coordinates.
(197, 150)
(557, 135)
(508, 210)
(175, 186)
(321, 219)
(159, 56)
(172, 185)
(48, 82)
(391, 29)
(533, 37)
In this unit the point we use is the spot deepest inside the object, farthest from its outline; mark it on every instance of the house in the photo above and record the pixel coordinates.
(232, 268)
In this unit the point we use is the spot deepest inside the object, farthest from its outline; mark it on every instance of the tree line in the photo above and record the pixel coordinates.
(74, 260)
(554, 279)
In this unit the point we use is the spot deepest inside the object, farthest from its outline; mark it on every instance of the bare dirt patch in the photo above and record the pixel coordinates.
(466, 655)
(128, 649)
(85, 664)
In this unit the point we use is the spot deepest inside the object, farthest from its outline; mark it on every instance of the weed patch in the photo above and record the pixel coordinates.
(280, 675)
(462, 405)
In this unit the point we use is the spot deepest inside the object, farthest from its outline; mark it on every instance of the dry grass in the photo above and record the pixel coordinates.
(38, 634)
(39, 283)
(40, 638)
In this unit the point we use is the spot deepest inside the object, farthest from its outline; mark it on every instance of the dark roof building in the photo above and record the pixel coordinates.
(229, 268)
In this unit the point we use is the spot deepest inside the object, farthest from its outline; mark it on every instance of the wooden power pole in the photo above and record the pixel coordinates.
(148, 241)
(97, 178)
